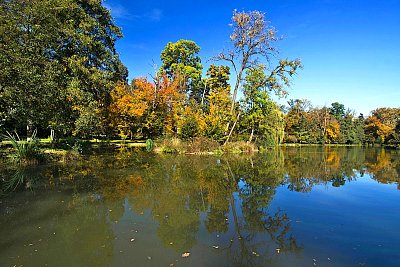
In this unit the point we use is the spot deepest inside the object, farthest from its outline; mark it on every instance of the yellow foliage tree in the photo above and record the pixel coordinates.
(332, 131)
(377, 130)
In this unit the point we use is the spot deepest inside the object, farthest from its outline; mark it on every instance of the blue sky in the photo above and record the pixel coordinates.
(350, 49)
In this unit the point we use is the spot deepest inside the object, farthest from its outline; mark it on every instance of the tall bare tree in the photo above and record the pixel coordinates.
(253, 41)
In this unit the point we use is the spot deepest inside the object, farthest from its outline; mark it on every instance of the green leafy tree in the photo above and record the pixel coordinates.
(59, 62)
(337, 110)
(262, 117)
(180, 60)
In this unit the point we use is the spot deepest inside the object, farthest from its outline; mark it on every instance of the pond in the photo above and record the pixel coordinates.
(310, 206)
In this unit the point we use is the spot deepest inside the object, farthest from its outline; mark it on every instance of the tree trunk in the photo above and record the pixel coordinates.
(233, 127)
(251, 135)
(52, 135)
(238, 79)
(29, 130)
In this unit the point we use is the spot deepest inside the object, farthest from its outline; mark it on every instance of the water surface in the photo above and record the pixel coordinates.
(289, 207)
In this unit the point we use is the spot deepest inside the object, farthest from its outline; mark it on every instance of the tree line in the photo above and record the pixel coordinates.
(60, 72)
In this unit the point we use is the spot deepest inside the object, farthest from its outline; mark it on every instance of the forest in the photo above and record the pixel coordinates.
(61, 76)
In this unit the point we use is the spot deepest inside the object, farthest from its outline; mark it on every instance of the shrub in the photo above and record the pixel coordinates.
(291, 139)
(190, 128)
(171, 145)
(71, 143)
(25, 152)
(201, 145)
(239, 147)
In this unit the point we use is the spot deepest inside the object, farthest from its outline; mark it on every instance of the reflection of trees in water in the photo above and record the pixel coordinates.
(384, 165)
(321, 165)
(177, 189)
(256, 184)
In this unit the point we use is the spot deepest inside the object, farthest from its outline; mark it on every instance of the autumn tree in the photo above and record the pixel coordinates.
(381, 125)
(218, 102)
(376, 130)
(130, 107)
(296, 121)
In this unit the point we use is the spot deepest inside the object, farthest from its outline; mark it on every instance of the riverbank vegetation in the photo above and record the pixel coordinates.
(61, 77)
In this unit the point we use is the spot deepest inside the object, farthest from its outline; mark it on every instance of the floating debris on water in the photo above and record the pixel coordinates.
(255, 254)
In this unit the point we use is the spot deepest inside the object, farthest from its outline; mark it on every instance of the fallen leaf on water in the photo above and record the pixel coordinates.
(186, 254)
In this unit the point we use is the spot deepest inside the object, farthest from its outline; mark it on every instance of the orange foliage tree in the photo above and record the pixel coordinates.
(145, 109)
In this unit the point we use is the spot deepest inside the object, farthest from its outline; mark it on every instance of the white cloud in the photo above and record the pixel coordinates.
(120, 12)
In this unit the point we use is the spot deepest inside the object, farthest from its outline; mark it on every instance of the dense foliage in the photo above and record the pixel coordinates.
(60, 73)
(58, 65)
